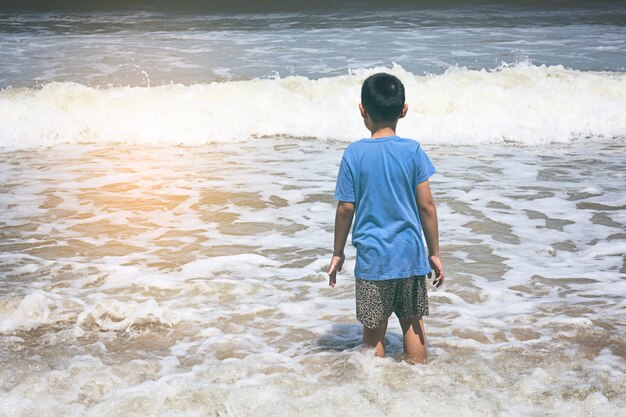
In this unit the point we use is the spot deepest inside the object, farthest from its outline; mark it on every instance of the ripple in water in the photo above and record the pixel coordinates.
(146, 280)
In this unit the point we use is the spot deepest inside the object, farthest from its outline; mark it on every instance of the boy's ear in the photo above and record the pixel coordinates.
(363, 111)
(405, 109)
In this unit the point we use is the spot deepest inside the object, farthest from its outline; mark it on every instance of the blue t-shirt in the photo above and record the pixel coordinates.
(380, 176)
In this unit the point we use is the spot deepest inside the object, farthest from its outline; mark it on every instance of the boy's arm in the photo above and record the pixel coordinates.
(343, 221)
(428, 218)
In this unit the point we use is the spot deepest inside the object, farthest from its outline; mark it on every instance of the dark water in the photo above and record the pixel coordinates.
(281, 5)
(124, 45)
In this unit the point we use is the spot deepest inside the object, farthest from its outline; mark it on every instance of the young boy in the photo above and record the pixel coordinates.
(383, 184)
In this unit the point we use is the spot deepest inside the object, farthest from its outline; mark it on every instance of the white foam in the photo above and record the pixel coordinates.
(115, 315)
(244, 263)
(195, 319)
(524, 103)
(32, 311)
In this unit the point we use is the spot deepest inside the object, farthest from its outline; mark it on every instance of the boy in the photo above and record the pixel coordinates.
(383, 184)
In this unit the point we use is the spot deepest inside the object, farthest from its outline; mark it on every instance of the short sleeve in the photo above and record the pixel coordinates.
(425, 167)
(344, 189)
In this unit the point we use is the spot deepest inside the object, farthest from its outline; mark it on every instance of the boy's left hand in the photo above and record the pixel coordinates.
(335, 266)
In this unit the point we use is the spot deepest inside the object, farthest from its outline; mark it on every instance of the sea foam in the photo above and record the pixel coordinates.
(524, 103)
(126, 290)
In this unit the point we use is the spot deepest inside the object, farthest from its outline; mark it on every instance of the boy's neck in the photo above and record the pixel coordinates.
(383, 132)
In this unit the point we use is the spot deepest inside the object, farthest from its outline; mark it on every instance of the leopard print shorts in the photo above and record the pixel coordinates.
(376, 300)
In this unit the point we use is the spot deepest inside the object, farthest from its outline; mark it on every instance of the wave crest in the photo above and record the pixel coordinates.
(523, 103)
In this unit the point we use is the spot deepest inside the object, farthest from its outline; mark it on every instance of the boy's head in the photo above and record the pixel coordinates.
(382, 97)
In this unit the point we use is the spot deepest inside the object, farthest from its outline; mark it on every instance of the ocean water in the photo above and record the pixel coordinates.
(166, 211)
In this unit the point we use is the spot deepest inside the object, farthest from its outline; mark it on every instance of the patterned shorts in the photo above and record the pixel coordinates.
(376, 300)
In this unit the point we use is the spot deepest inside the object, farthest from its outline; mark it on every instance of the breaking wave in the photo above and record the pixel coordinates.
(523, 103)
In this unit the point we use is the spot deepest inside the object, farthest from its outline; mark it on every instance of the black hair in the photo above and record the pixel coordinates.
(382, 95)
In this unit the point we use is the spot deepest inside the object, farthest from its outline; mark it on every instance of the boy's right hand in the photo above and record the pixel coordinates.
(335, 266)
(437, 267)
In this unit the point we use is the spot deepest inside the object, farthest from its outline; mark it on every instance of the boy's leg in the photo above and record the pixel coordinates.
(374, 305)
(412, 305)
(376, 338)
(414, 339)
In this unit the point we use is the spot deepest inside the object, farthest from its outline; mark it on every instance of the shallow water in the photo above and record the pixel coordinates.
(171, 280)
